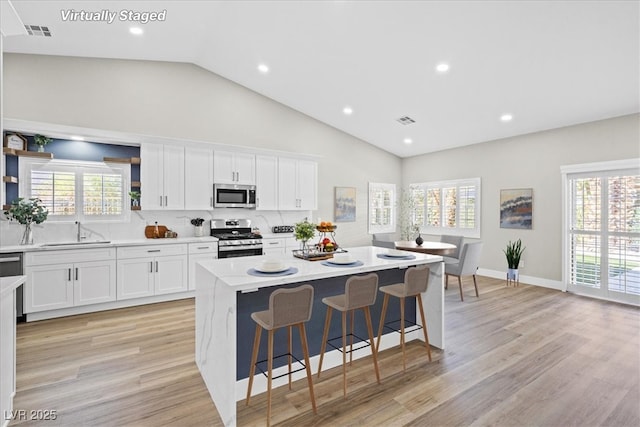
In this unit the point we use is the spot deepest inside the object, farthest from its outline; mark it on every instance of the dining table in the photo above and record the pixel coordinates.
(427, 247)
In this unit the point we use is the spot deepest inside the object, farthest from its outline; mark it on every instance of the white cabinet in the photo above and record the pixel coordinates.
(297, 184)
(198, 178)
(266, 183)
(273, 246)
(162, 177)
(52, 285)
(151, 270)
(231, 167)
(200, 252)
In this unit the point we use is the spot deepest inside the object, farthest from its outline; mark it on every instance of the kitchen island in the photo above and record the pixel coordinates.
(226, 295)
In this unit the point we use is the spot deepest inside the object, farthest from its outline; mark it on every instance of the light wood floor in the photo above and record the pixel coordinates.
(515, 357)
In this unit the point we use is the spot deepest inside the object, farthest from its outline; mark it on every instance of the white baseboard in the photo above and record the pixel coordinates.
(529, 280)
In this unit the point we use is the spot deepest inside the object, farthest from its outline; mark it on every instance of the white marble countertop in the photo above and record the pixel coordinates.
(114, 243)
(9, 283)
(233, 271)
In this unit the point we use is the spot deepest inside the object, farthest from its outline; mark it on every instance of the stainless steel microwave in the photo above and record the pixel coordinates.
(234, 196)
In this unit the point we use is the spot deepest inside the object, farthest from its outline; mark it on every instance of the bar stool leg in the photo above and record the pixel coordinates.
(424, 326)
(325, 335)
(305, 352)
(344, 353)
(254, 358)
(404, 363)
(382, 315)
(374, 352)
(289, 349)
(351, 343)
(270, 376)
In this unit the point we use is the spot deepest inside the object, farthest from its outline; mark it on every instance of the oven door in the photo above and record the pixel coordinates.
(238, 251)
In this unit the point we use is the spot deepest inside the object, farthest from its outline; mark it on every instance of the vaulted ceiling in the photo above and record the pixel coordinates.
(547, 64)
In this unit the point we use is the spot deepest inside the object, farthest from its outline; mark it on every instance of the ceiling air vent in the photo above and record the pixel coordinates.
(37, 30)
(406, 120)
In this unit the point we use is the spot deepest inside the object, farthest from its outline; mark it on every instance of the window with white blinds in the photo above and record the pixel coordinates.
(77, 191)
(382, 205)
(603, 233)
(448, 207)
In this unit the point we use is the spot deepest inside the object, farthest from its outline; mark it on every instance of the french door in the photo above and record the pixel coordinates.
(602, 241)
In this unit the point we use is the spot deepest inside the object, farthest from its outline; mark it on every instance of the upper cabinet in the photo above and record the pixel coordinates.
(266, 183)
(162, 177)
(198, 178)
(231, 167)
(297, 184)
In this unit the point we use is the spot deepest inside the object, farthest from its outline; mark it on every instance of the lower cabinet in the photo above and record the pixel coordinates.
(200, 252)
(151, 270)
(51, 285)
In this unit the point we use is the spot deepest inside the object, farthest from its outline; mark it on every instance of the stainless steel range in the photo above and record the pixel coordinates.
(235, 238)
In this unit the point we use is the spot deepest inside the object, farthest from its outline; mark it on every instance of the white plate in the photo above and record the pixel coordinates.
(396, 254)
(342, 262)
(271, 269)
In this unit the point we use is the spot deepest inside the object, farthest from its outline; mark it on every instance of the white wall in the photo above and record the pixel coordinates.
(185, 101)
(528, 161)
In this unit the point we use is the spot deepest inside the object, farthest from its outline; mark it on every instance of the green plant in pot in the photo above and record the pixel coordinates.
(304, 231)
(513, 253)
(135, 197)
(27, 212)
(41, 141)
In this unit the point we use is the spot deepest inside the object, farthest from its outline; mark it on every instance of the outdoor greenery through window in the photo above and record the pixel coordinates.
(447, 207)
(603, 240)
(382, 201)
(77, 191)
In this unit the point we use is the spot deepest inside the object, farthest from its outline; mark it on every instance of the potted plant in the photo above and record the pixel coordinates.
(304, 231)
(514, 253)
(135, 197)
(198, 224)
(41, 141)
(27, 212)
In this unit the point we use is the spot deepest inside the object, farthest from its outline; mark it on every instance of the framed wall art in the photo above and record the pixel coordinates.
(516, 208)
(345, 204)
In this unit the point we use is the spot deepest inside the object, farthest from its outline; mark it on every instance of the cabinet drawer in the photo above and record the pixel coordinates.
(151, 251)
(63, 255)
(273, 243)
(198, 248)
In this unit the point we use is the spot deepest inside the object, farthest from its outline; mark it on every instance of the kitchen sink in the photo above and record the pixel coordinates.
(66, 244)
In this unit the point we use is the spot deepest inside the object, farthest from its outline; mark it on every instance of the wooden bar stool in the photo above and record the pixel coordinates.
(360, 293)
(287, 307)
(415, 283)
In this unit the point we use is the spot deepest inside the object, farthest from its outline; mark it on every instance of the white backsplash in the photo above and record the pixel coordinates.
(178, 221)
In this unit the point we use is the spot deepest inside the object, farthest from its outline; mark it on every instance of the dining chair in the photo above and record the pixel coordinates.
(454, 256)
(360, 293)
(287, 307)
(467, 265)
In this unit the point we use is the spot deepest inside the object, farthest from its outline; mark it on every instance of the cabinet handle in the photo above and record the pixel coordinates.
(151, 265)
(69, 275)
(238, 176)
(203, 247)
(273, 243)
(160, 200)
(153, 250)
(211, 201)
(76, 273)
(166, 201)
(156, 266)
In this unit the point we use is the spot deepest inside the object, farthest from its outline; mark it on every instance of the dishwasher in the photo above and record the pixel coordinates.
(11, 265)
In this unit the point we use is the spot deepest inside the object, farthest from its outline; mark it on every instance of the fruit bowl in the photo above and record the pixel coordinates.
(326, 229)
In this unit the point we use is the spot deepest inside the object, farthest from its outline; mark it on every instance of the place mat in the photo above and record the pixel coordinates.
(404, 257)
(330, 264)
(287, 272)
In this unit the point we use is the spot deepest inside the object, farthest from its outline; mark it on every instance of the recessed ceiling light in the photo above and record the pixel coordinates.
(77, 138)
(347, 110)
(136, 31)
(506, 117)
(442, 67)
(408, 140)
(263, 68)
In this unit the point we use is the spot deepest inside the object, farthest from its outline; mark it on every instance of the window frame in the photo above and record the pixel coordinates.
(441, 186)
(382, 228)
(27, 164)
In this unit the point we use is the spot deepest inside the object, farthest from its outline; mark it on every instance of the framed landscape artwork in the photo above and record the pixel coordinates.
(345, 204)
(516, 208)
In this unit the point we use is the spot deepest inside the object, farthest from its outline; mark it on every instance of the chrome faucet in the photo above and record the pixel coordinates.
(78, 234)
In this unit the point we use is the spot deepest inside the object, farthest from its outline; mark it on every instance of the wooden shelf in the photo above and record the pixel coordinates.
(10, 179)
(136, 184)
(130, 160)
(135, 208)
(25, 153)
(9, 151)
